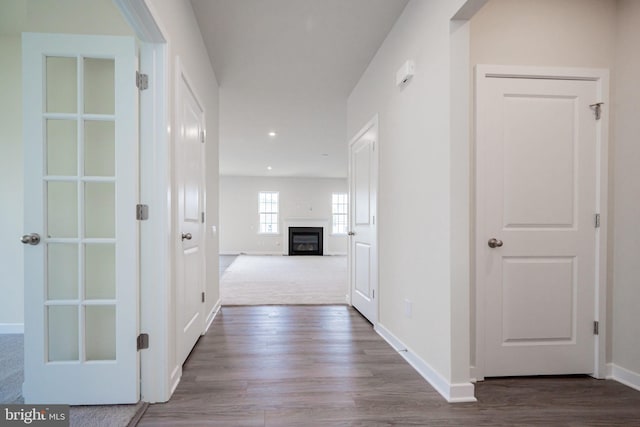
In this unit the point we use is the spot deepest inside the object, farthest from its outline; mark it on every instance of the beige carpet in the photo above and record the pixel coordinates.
(259, 280)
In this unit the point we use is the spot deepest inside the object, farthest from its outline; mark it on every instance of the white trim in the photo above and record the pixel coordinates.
(155, 190)
(212, 315)
(453, 393)
(623, 376)
(141, 20)
(601, 77)
(11, 328)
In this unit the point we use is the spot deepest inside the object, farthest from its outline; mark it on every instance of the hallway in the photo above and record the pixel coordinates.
(324, 365)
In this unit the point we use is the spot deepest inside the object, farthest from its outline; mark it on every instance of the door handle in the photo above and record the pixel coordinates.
(186, 236)
(351, 233)
(30, 239)
(494, 243)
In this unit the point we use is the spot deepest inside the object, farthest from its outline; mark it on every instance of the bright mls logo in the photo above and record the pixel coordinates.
(36, 415)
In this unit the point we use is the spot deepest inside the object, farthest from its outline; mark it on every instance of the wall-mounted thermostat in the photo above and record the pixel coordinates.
(405, 73)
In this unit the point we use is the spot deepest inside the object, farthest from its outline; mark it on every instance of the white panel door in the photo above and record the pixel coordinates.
(536, 198)
(363, 258)
(190, 178)
(81, 188)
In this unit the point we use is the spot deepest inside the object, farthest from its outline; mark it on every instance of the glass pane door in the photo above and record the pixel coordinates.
(80, 186)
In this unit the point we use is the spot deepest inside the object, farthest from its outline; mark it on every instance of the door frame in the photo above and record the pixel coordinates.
(373, 123)
(601, 77)
(156, 233)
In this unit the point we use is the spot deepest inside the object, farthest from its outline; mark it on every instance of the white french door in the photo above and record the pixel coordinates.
(81, 241)
(363, 191)
(538, 145)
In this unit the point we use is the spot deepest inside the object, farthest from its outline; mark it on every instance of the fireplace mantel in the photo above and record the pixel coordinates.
(303, 222)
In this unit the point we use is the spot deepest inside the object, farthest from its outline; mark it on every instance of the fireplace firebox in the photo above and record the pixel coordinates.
(305, 240)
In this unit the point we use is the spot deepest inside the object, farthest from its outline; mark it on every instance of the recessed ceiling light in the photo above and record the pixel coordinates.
(269, 168)
(272, 134)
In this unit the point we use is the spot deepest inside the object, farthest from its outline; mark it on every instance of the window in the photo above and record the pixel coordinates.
(268, 211)
(339, 209)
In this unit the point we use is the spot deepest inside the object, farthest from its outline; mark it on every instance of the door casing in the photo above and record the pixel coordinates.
(601, 77)
(371, 126)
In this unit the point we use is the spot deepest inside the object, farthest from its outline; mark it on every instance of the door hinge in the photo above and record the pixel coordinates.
(142, 341)
(597, 109)
(203, 297)
(596, 328)
(597, 220)
(142, 81)
(142, 212)
(202, 136)
(202, 217)
(373, 293)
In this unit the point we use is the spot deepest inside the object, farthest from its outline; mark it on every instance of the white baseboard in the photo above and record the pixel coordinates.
(453, 393)
(174, 379)
(261, 253)
(624, 376)
(212, 315)
(11, 328)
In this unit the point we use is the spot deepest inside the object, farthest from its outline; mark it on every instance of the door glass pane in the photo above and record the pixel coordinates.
(62, 87)
(100, 332)
(62, 209)
(63, 332)
(62, 147)
(99, 148)
(62, 271)
(99, 89)
(100, 271)
(100, 209)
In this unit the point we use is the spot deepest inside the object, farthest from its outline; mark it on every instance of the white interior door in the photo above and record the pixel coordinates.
(81, 188)
(190, 178)
(537, 178)
(363, 255)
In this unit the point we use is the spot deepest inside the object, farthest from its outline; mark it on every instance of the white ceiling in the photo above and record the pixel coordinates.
(288, 66)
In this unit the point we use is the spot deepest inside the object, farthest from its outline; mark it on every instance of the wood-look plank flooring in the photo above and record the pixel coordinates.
(325, 366)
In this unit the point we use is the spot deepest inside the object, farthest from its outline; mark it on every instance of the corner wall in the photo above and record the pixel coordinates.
(178, 24)
(626, 127)
(415, 193)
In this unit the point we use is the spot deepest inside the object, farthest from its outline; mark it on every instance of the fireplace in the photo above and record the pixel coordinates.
(305, 240)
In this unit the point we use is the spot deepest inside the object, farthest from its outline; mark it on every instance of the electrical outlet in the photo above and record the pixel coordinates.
(408, 307)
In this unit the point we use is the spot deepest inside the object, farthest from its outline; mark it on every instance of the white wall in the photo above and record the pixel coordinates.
(178, 25)
(626, 127)
(98, 17)
(11, 186)
(414, 194)
(299, 198)
(555, 33)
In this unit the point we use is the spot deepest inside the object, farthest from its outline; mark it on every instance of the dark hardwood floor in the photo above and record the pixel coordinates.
(325, 366)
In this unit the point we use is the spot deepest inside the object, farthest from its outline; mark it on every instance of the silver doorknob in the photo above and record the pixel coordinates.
(351, 233)
(494, 243)
(186, 236)
(30, 239)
